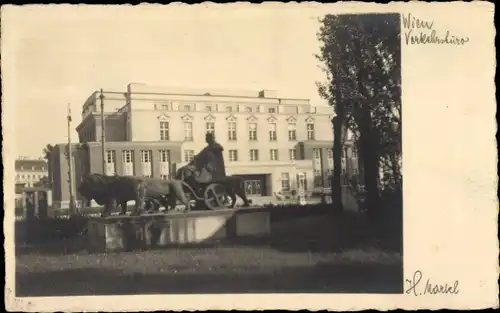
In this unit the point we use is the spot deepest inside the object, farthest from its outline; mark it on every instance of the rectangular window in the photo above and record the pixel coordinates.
(164, 131)
(253, 188)
(274, 154)
(272, 110)
(292, 132)
(233, 155)
(285, 182)
(310, 131)
(164, 156)
(164, 107)
(318, 179)
(128, 156)
(110, 162)
(165, 177)
(208, 108)
(231, 131)
(292, 154)
(210, 127)
(188, 155)
(330, 154)
(187, 107)
(128, 162)
(248, 109)
(110, 156)
(302, 181)
(146, 160)
(252, 131)
(272, 132)
(254, 155)
(354, 153)
(317, 154)
(188, 131)
(164, 168)
(145, 156)
(229, 109)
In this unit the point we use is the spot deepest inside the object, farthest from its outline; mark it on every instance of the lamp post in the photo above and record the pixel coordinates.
(70, 165)
(103, 134)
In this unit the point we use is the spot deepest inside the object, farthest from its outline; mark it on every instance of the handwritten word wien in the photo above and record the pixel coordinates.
(421, 32)
(430, 288)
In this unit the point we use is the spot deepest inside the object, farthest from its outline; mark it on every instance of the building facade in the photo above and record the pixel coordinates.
(30, 171)
(275, 144)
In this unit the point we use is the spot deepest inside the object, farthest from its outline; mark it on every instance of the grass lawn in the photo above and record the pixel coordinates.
(330, 260)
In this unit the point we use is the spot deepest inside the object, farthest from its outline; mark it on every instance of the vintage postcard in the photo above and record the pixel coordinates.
(249, 156)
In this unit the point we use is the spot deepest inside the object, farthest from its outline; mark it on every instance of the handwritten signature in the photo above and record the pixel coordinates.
(430, 288)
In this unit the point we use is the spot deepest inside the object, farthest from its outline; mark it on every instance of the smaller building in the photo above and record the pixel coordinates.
(29, 171)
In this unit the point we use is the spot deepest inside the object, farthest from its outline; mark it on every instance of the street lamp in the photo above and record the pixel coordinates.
(72, 206)
(103, 135)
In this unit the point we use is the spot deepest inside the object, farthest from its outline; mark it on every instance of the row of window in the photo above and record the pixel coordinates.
(211, 108)
(33, 168)
(318, 180)
(32, 177)
(253, 155)
(232, 133)
(233, 156)
(146, 156)
(317, 153)
(301, 179)
(146, 161)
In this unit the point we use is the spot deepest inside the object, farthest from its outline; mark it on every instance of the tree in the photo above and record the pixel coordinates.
(361, 59)
(48, 152)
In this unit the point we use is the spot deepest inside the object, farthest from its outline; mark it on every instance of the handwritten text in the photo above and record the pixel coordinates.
(430, 288)
(420, 32)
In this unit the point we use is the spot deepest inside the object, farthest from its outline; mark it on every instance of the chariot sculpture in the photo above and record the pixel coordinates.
(202, 184)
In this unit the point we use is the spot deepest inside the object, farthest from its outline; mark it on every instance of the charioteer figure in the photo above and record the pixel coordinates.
(210, 161)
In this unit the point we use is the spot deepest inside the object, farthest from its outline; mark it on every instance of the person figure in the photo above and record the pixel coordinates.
(210, 161)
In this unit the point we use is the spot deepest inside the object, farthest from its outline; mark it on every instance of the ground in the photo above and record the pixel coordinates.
(319, 262)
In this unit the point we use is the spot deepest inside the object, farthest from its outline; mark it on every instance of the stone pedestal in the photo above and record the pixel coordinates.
(127, 233)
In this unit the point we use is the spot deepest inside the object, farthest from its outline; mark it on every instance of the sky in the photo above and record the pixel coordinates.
(61, 54)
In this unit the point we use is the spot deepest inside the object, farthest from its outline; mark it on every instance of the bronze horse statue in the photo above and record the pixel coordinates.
(110, 190)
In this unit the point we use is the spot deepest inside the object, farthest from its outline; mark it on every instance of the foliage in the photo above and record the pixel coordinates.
(47, 151)
(47, 230)
(362, 61)
(43, 182)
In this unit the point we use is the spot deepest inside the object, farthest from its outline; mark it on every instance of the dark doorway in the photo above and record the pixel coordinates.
(255, 184)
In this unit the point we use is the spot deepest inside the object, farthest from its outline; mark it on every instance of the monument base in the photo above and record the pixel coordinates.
(128, 233)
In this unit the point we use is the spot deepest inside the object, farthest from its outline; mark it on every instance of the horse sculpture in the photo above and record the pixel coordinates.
(110, 190)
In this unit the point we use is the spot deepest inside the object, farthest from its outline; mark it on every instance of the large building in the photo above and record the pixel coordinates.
(29, 171)
(276, 144)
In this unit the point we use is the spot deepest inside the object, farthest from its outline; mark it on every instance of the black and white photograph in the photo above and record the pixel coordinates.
(211, 150)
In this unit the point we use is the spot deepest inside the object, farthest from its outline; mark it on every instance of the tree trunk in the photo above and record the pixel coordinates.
(370, 165)
(337, 164)
(396, 172)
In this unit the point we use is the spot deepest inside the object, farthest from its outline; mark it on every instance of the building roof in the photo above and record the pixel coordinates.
(31, 165)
